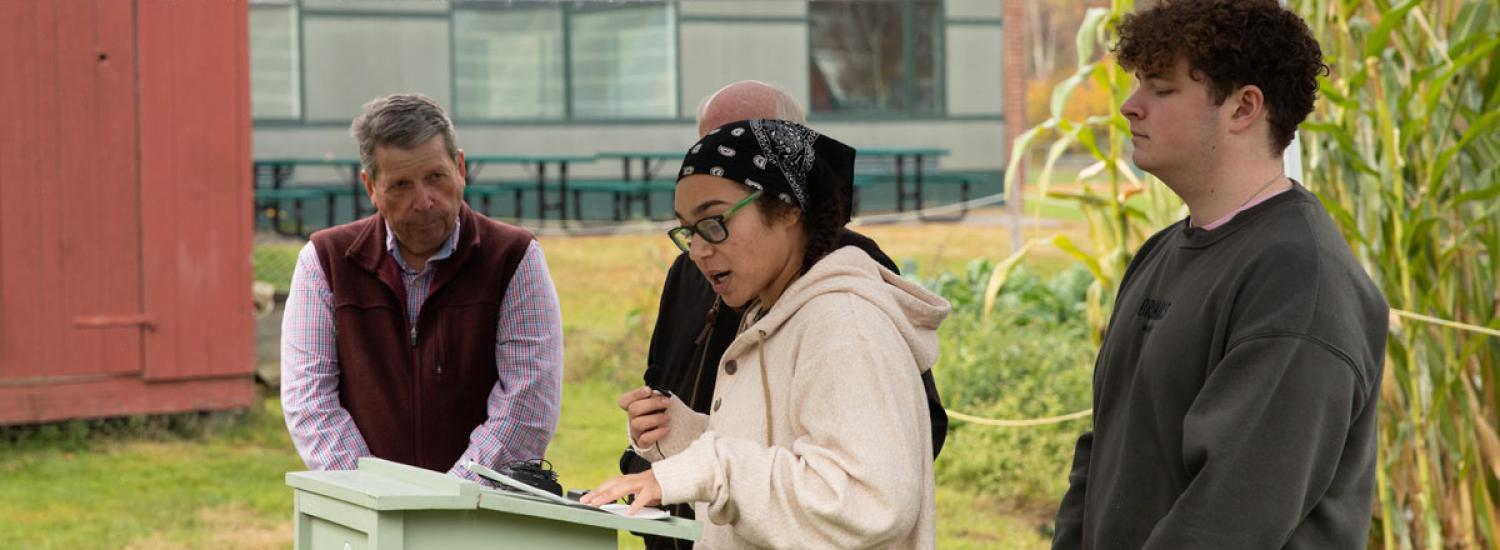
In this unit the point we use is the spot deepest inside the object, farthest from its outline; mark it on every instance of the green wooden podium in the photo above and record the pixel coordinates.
(388, 506)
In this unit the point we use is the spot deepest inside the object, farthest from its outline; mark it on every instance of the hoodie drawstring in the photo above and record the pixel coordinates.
(765, 382)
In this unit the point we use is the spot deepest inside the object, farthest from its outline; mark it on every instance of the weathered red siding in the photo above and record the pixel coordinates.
(124, 208)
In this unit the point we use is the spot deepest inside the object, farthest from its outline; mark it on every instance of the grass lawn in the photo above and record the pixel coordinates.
(223, 487)
(150, 490)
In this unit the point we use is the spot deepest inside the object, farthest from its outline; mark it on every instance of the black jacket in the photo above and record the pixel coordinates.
(692, 331)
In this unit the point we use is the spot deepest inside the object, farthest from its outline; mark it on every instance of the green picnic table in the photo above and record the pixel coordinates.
(275, 183)
(641, 188)
(901, 155)
(476, 164)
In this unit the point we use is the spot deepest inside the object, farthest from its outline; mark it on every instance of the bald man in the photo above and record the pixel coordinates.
(693, 328)
(745, 100)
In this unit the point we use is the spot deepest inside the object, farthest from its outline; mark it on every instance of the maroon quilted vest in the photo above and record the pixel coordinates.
(417, 392)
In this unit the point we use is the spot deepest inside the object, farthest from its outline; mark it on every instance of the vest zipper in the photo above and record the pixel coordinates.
(416, 391)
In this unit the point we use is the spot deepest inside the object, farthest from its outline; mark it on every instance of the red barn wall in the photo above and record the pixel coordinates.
(124, 208)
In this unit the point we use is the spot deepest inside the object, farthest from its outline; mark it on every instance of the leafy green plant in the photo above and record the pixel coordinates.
(1404, 148)
(1030, 357)
(1120, 207)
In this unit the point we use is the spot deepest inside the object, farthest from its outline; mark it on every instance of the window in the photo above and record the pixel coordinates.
(275, 92)
(508, 62)
(353, 58)
(510, 59)
(875, 57)
(624, 61)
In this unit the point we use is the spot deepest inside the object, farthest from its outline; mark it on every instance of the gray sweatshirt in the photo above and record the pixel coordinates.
(1235, 392)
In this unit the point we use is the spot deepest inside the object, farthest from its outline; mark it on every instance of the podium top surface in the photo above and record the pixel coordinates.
(388, 486)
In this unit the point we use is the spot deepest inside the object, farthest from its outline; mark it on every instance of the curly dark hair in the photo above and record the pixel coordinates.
(820, 224)
(1233, 43)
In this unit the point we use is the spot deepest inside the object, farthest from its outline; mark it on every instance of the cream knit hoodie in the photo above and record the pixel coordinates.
(819, 435)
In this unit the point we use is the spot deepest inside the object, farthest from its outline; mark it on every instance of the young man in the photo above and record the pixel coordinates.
(1235, 392)
(426, 334)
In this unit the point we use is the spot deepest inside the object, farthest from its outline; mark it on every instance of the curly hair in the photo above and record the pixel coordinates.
(1233, 43)
(820, 224)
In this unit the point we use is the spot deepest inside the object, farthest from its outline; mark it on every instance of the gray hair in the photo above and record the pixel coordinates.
(404, 121)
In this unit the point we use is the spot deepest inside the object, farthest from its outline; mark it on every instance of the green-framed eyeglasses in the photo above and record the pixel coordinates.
(712, 228)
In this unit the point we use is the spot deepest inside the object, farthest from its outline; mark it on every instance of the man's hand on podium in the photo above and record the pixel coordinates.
(643, 485)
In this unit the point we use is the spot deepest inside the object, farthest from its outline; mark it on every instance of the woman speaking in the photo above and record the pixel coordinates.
(818, 433)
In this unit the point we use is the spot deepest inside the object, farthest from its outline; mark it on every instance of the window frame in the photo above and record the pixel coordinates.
(298, 59)
(908, 32)
(569, 115)
(458, 6)
(449, 12)
(683, 108)
(674, 25)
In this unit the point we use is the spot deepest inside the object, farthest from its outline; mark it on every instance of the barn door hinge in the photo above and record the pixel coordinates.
(143, 320)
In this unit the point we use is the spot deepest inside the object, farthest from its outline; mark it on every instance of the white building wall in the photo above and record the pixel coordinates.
(973, 9)
(742, 8)
(717, 53)
(975, 81)
(771, 44)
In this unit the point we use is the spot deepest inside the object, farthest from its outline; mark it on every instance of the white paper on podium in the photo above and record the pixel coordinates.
(647, 512)
(492, 475)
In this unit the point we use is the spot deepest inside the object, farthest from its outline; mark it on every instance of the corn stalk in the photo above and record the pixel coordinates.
(1120, 206)
(1403, 151)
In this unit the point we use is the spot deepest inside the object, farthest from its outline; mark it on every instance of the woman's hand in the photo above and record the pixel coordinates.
(648, 415)
(643, 485)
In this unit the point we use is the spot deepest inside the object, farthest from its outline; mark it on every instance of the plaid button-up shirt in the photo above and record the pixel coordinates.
(523, 406)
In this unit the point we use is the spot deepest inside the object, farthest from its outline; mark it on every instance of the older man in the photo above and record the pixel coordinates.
(693, 328)
(426, 334)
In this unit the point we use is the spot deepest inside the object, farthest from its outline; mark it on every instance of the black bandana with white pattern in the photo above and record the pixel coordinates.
(784, 159)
